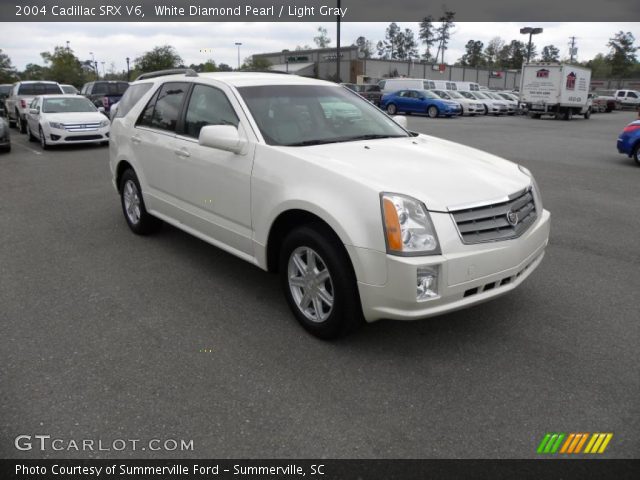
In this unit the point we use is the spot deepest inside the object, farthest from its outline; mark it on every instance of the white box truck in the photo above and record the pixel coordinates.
(555, 89)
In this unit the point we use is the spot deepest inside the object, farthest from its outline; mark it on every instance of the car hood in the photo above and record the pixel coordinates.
(442, 174)
(74, 117)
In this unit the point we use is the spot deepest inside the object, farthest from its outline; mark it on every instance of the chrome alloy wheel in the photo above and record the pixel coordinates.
(131, 198)
(310, 284)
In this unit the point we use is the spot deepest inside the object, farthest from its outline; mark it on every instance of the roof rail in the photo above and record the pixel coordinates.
(174, 71)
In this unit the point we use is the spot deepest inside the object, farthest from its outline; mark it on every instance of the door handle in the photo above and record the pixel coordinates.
(136, 139)
(182, 153)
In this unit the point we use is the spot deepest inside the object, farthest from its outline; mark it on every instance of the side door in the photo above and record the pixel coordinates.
(153, 144)
(213, 185)
(33, 119)
(632, 98)
(403, 101)
(415, 101)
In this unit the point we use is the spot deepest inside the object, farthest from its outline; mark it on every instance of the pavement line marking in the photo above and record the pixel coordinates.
(27, 148)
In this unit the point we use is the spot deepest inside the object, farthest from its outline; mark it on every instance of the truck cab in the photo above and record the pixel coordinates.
(628, 98)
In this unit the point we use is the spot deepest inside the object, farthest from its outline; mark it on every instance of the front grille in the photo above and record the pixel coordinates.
(497, 221)
(81, 127)
(77, 138)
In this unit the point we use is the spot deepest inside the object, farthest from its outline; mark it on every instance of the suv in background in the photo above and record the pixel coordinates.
(5, 89)
(293, 175)
(20, 96)
(104, 93)
(370, 92)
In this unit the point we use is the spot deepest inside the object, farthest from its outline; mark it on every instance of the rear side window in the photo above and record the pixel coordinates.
(166, 105)
(39, 89)
(208, 106)
(632, 95)
(131, 97)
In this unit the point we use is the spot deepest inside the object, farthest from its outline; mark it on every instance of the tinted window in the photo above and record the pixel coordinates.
(147, 113)
(131, 97)
(38, 88)
(208, 106)
(5, 90)
(168, 105)
(632, 95)
(372, 88)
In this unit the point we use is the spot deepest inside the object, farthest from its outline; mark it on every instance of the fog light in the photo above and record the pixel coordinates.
(427, 284)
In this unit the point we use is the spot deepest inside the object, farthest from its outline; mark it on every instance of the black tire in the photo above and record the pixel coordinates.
(636, 154)
(146, 223)
(587, 114)
(21, 124)
(30, 135)
(486, 110)
(43, 140)
(345, 315)
(6, 149)
(568, 114)
(392, 109)
(433, 111)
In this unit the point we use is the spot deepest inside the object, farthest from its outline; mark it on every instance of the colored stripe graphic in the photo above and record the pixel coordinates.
(572, 443)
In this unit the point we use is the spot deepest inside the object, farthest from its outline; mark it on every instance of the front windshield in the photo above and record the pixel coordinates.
(480, 95)
(429, 94)
(468, 95)
(453, 94)
(299, 115)
(67, 105)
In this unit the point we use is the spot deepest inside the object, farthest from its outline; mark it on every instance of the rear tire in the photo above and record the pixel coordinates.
(21, 124)
(392, 109)
(139, 220)
(318, 281)
(587, 114)
(433, 111)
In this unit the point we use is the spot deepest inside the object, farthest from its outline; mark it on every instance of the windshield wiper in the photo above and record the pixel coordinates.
(307, 143)
(368, 136)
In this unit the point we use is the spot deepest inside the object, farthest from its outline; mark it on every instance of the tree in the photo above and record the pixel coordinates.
(444, 32)
(492, 52)
(64, 66)
(388, 48)
(208, 66)
(550, 53)
(406, 45)
(223, 67)
(427, 36)
(160, 58)
(34, 72)
(254, 64)
(622, 54)
(512, 55)
(473, 56)
(600, 66)
(322, 40)
(365, 46)
(7, 71)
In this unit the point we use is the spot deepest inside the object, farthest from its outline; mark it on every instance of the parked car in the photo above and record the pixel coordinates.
(469, 107)
(598, 104)
(69, 89)
(21, 95)
(363, 220)
(5, 89)
(609, 97)
(65, 119)
(629, 141)
(491, 105)
(395, 84)
(370, 92)
(419, 101)
(5, 136)
(628, 98)
(444, 85)
(512, 106)
(104, 93)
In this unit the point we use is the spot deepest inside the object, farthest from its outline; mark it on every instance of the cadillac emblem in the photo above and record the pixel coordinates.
(512, 218)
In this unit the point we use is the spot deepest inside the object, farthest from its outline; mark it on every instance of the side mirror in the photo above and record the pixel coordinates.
(101, 109)
(402, 121)
(34, 111)
(222, 137)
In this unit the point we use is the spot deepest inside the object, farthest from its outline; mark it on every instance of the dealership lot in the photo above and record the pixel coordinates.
(106, 335)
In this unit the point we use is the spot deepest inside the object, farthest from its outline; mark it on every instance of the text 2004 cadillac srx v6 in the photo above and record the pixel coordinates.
(361, 218)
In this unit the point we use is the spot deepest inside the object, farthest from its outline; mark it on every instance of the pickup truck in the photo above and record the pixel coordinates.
(20, 96)
(104, 93)
(628, 98)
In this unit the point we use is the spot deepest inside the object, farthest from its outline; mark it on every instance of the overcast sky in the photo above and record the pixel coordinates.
(197, 42)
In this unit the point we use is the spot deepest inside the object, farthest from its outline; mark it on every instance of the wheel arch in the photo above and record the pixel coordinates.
(123, 166)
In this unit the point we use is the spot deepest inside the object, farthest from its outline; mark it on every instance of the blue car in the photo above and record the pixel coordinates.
(419, 101)
(629, 141)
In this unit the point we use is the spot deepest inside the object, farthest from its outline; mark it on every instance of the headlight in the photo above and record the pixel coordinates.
(407, 226)
(56, 125)
(104, 123)
(537, 197)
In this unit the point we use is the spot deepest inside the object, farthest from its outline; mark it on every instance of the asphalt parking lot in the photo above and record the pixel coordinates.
(107, 335)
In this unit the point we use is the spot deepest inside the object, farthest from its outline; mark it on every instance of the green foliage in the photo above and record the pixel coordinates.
(427, 36)
(7, 71)
(550, 53)
(622, 53)
(365, 46)
(473, 57)
(255, 64)
(63, 66)
(322, 40)
(160, 58)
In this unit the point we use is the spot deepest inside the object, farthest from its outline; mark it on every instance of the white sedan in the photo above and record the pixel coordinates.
(66, 119)
(491, 105)
(469, 107)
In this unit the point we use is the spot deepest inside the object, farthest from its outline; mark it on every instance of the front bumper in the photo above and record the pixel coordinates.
(60, 137)
(467, 274)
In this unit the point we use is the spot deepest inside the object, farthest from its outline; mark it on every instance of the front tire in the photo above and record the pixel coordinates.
(139, 220)
(392, 109)
(32, 137)
(587, 114)
(43, 140)
(319, 283)
(636, 154)
(433, 111)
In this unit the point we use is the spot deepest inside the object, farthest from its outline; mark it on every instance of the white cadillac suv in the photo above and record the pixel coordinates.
(361, 218)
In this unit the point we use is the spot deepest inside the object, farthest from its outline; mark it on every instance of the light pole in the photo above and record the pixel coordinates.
(128, 71)
(94, 64)
(103, 72)
(238, 45)
(531, 31)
